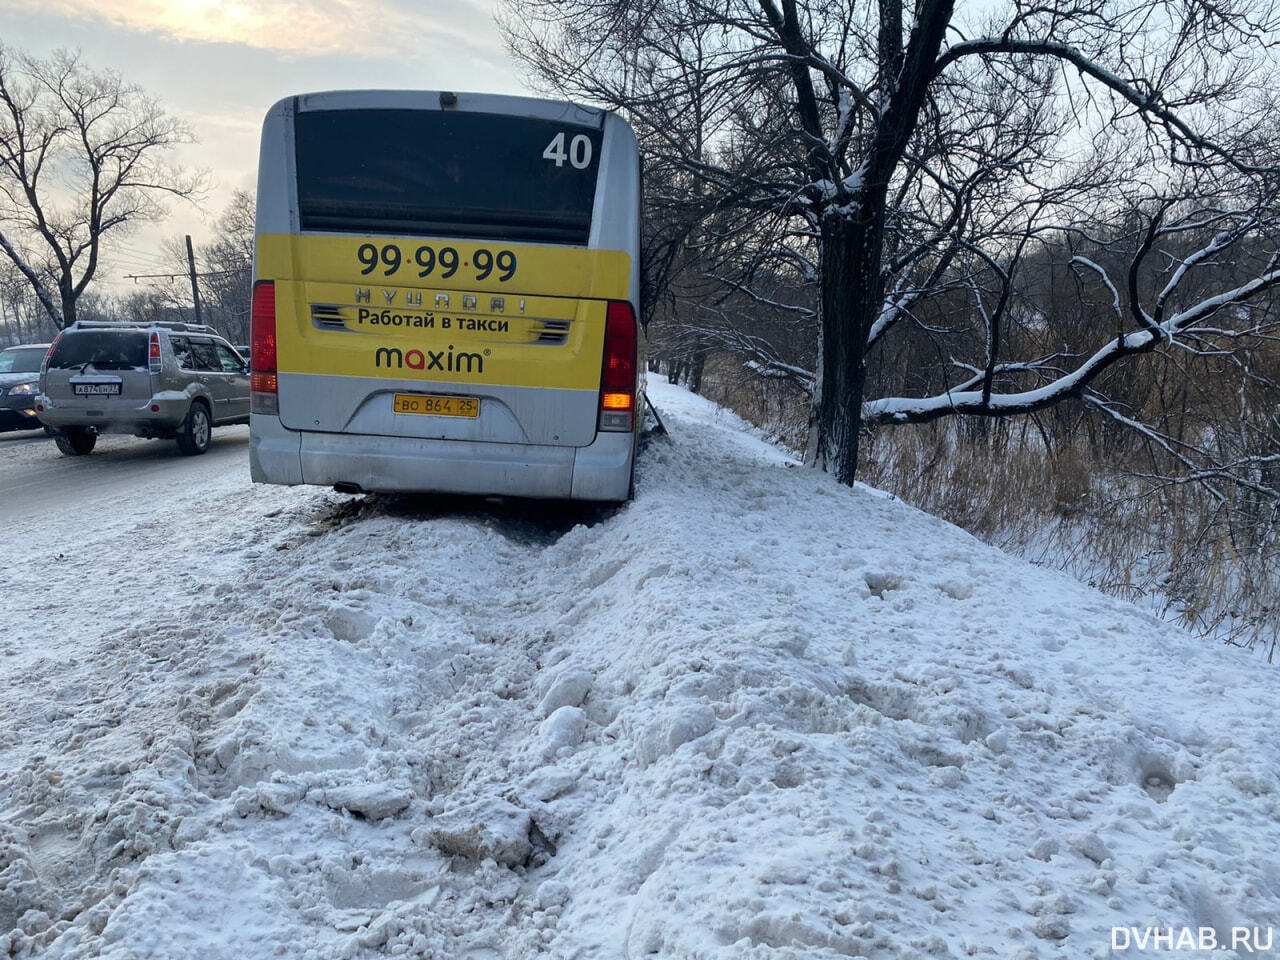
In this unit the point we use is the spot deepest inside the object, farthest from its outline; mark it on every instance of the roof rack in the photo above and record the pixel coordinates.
(167, 324)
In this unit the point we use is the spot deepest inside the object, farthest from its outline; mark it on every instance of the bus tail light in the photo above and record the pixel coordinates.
(263, 384)
(618, 376)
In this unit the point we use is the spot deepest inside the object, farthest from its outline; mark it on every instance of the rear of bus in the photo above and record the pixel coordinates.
(446, 296)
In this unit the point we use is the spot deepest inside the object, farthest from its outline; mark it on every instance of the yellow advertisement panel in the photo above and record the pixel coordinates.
(466, 312)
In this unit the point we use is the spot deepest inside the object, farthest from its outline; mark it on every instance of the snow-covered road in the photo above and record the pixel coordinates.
(40, 483)
(94, 544)
(751, 715)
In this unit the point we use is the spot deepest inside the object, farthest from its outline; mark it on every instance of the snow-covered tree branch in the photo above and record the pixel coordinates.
(941, 169)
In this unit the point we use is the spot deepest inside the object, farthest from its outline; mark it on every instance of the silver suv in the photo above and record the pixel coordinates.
(175, 380)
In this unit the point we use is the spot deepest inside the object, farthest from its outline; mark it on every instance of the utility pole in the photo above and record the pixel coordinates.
(195, 288)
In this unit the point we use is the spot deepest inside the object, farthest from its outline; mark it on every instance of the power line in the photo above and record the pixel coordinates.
(157, 261)
(176, 274)
(139, 253)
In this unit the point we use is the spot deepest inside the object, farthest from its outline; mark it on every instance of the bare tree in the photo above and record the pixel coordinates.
(226, 268)
(224, 271)
(81, 157)
(905, 158)
(22, 319)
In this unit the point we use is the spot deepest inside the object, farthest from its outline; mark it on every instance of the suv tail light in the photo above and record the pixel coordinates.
(618, 376)
(262, 349)
(44, 364)
(153, 353)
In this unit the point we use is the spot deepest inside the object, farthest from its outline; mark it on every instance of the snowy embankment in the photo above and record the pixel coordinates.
(751, 715)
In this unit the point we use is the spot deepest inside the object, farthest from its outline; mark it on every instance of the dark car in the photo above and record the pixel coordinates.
(19, 384)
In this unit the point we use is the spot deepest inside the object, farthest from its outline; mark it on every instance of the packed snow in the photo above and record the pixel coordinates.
(752, 714)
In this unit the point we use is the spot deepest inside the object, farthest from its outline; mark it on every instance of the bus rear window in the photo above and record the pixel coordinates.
(446, 173)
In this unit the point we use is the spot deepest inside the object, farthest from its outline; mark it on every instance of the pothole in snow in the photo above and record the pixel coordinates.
(880, 583)
(892, 702)
(1158, 781)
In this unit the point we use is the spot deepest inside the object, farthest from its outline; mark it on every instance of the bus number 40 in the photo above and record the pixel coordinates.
(579, 153)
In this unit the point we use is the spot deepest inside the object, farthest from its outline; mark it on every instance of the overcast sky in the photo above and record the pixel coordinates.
(220, 64)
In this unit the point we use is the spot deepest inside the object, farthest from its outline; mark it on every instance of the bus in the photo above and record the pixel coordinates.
(446, 296)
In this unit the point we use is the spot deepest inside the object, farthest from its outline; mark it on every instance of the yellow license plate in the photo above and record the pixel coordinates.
(436, 405)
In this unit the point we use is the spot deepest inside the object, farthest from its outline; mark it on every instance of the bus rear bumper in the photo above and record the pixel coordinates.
(274, 452)
(598, 471)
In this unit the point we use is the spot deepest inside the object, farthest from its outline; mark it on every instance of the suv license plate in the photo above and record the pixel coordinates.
(96, 389)
(436, 405)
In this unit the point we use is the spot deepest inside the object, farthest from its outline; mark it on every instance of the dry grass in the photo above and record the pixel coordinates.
(1060, 502)
(1171, 547)
(774, 406)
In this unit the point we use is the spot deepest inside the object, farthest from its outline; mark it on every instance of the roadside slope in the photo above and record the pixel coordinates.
(751, 715)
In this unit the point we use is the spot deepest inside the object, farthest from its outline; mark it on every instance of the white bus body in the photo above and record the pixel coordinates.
(446, 296)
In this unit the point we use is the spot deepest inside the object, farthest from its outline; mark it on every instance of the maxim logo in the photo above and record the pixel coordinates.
(446, 361)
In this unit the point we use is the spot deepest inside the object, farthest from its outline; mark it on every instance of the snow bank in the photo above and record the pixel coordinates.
(752, 715)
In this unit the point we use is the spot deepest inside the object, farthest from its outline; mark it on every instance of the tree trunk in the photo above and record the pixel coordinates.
(852, 292)
(852, 244)
(68, 298)
(696, 365)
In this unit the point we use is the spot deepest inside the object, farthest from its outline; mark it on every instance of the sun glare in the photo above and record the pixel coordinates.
(295, 26)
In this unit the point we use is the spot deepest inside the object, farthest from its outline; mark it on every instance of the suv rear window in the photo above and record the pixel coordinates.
(450, 174)
(105, 349)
